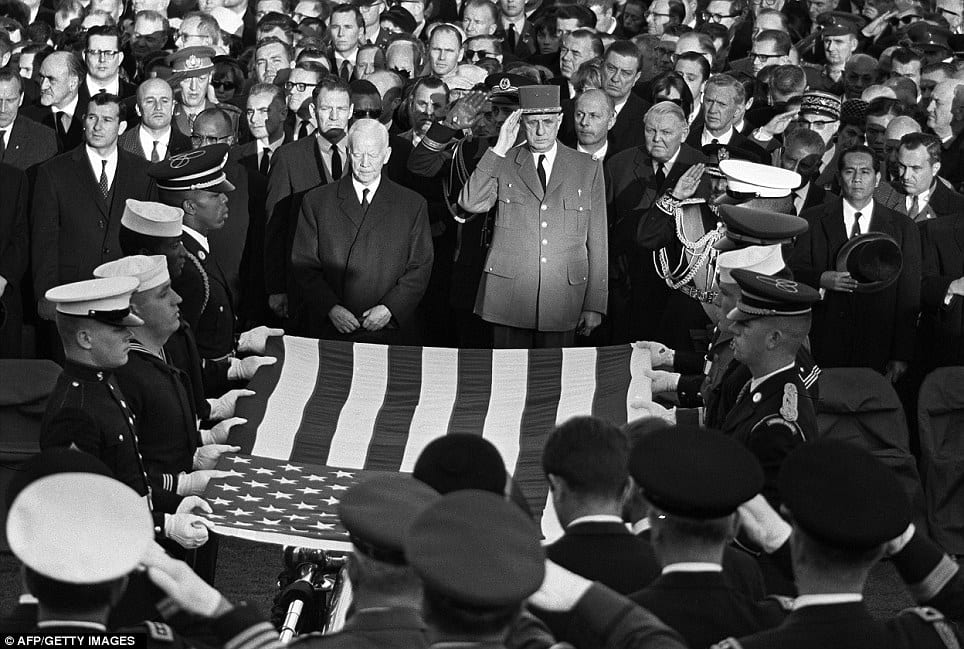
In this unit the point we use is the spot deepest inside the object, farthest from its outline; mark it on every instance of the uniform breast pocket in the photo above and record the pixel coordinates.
(512, 206)
(576, 211)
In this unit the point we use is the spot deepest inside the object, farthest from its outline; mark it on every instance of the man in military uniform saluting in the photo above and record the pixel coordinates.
(773, 414)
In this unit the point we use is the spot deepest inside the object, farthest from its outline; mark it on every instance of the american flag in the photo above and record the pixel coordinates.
(375, 407)
(281, 502)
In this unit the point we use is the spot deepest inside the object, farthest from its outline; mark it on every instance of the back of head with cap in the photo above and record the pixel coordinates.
(461, 461)
(585, 462)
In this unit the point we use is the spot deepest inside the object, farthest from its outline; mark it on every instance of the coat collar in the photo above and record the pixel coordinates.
(527, 170)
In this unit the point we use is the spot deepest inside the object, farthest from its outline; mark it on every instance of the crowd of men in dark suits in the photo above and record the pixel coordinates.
(750, 193)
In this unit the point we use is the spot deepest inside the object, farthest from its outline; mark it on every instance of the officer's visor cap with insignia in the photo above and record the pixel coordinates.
(504, 87)
(843, 496)
(193, 170)
(377, 513)
(106, 300)
(151, 271)
(153, 219)
(840, 23)
(695, 472)
(765, 181)
(79, 528)
(765, 295)
(539, 100)
(194, 61)
(750, 226)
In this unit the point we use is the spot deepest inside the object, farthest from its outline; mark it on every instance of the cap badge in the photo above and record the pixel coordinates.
(722, 154)
(781, 283)
(183, 159)
(504, 83)
(192, 62)
(789, 408)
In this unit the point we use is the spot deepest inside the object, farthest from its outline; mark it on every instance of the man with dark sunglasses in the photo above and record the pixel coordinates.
(482, 47)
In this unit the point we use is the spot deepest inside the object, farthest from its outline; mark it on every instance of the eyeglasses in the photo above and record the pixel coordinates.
(102, 54)
(763, 57)
(906, 20)
(764, 3)
(718, 18)
(300, 86)
(373, 113)
(653, 14)
(224, 85)
(204, 140)
(816, 124)
(473, 55)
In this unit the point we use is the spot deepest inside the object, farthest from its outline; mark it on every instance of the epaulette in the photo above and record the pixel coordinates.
(729, 643)
(777, 420)
(937, 620)
(784, 602)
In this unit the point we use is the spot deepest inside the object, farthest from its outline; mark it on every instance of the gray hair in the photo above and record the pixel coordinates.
(666, 108)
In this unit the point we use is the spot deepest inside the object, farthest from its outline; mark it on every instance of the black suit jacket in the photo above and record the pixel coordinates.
(345, 256)
(859, 329)
(942, 324)
(952, 162)
(635, 230)
(208, 305)
(28, 144)
(74, 229)
(704, 608)
(14, 255)
(625, 134)
(608, 553)
(67, 141)
(130, 141)
(694, 139)
(525, 45)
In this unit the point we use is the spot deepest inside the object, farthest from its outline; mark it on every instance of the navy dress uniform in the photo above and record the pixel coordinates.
(208, 304)
(699, 474)
(775, 415)
(845, 501)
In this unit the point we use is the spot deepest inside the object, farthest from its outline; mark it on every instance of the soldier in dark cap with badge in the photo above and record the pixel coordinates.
(773, 413)
(386, 593)
(849, 510)
(192, 68)
(449, 153)
(695, 479)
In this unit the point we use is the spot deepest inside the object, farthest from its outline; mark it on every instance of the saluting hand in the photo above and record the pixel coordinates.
(688, 183)
(463, 112)
(508, 133)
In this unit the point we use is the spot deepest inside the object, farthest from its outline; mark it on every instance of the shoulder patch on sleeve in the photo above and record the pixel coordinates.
(789, 408)
(159, 631)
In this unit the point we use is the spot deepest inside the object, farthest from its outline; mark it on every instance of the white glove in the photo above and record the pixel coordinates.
(644, 408)
(187, 530)
(195, 482)
(254, 340)
(663, 381)
(223, 407)
(659, 354)
(190, 503)
(763, 524)
(183, 585)
(207, 456)
(242, 369)
(561, 589)
(219, 434)
(896, 545)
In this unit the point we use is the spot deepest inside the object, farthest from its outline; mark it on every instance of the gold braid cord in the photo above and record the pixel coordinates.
(696, 255)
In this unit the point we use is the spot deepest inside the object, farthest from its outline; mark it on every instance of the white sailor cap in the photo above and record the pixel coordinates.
(79, 528)
(150, 271)
(762, 180)
(153, 219)
(106, 300)
(767, 260)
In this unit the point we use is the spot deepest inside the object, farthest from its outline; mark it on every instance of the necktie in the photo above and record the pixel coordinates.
(510, 37)
(155, 156)
(3, 144)
(62, 123)
(265, 165)
(345, 70)
(914, 210)
(364, 200)
(104, 186)
(660, 176)
(303, 129)
(715, 141)
(541, 170)
(335, 163)
(856, 229)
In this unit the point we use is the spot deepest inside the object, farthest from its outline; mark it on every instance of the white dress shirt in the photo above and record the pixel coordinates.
(271, 147)
(347, 56)
(708, 138)
(800, 198)
(755, 383)
(832, 598)
(668, 165)
(596, 518)
(94, 86)
(923, 199)
(849, 216)
(96, 164)
(550, 160)
(598, 155)
(692, 566)
(70, 108)
(372, 187)
(147, 141)
(197, 236)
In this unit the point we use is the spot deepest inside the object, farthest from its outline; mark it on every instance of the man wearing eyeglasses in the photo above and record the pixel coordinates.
(302, 81)
(103, 57)
(483, 47)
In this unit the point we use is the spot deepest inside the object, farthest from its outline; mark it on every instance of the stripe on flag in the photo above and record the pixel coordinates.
(474, 386)
(320, 420)
(507, 401)
(440, 371)
(356, 422)
(288, 399)
(401, 398)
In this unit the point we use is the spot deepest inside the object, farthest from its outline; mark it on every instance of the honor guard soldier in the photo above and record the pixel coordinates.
(695, 479)
(386, 592)
(848, 510)
(773, 413)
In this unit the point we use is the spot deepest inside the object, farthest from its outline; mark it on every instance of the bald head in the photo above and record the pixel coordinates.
(901, 126)
(155, 103)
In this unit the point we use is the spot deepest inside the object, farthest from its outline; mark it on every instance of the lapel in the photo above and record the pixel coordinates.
(324, 176)
(526, 170)
(561, 163)
(643, 167)
(86, 171)
(833, 228)
(959, 235)
(379, 204)
(348, 201)
(15, 138)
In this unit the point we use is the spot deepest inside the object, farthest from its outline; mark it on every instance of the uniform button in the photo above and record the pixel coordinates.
(100, 224)
(123, 405)
(545, 242)
(106, 251)
(75, 384)
(580, 209)
(120, 438)
(100, 377)
(544, 208)
(545, 225)
(220, 309)
(543, 260)
(756, 397)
